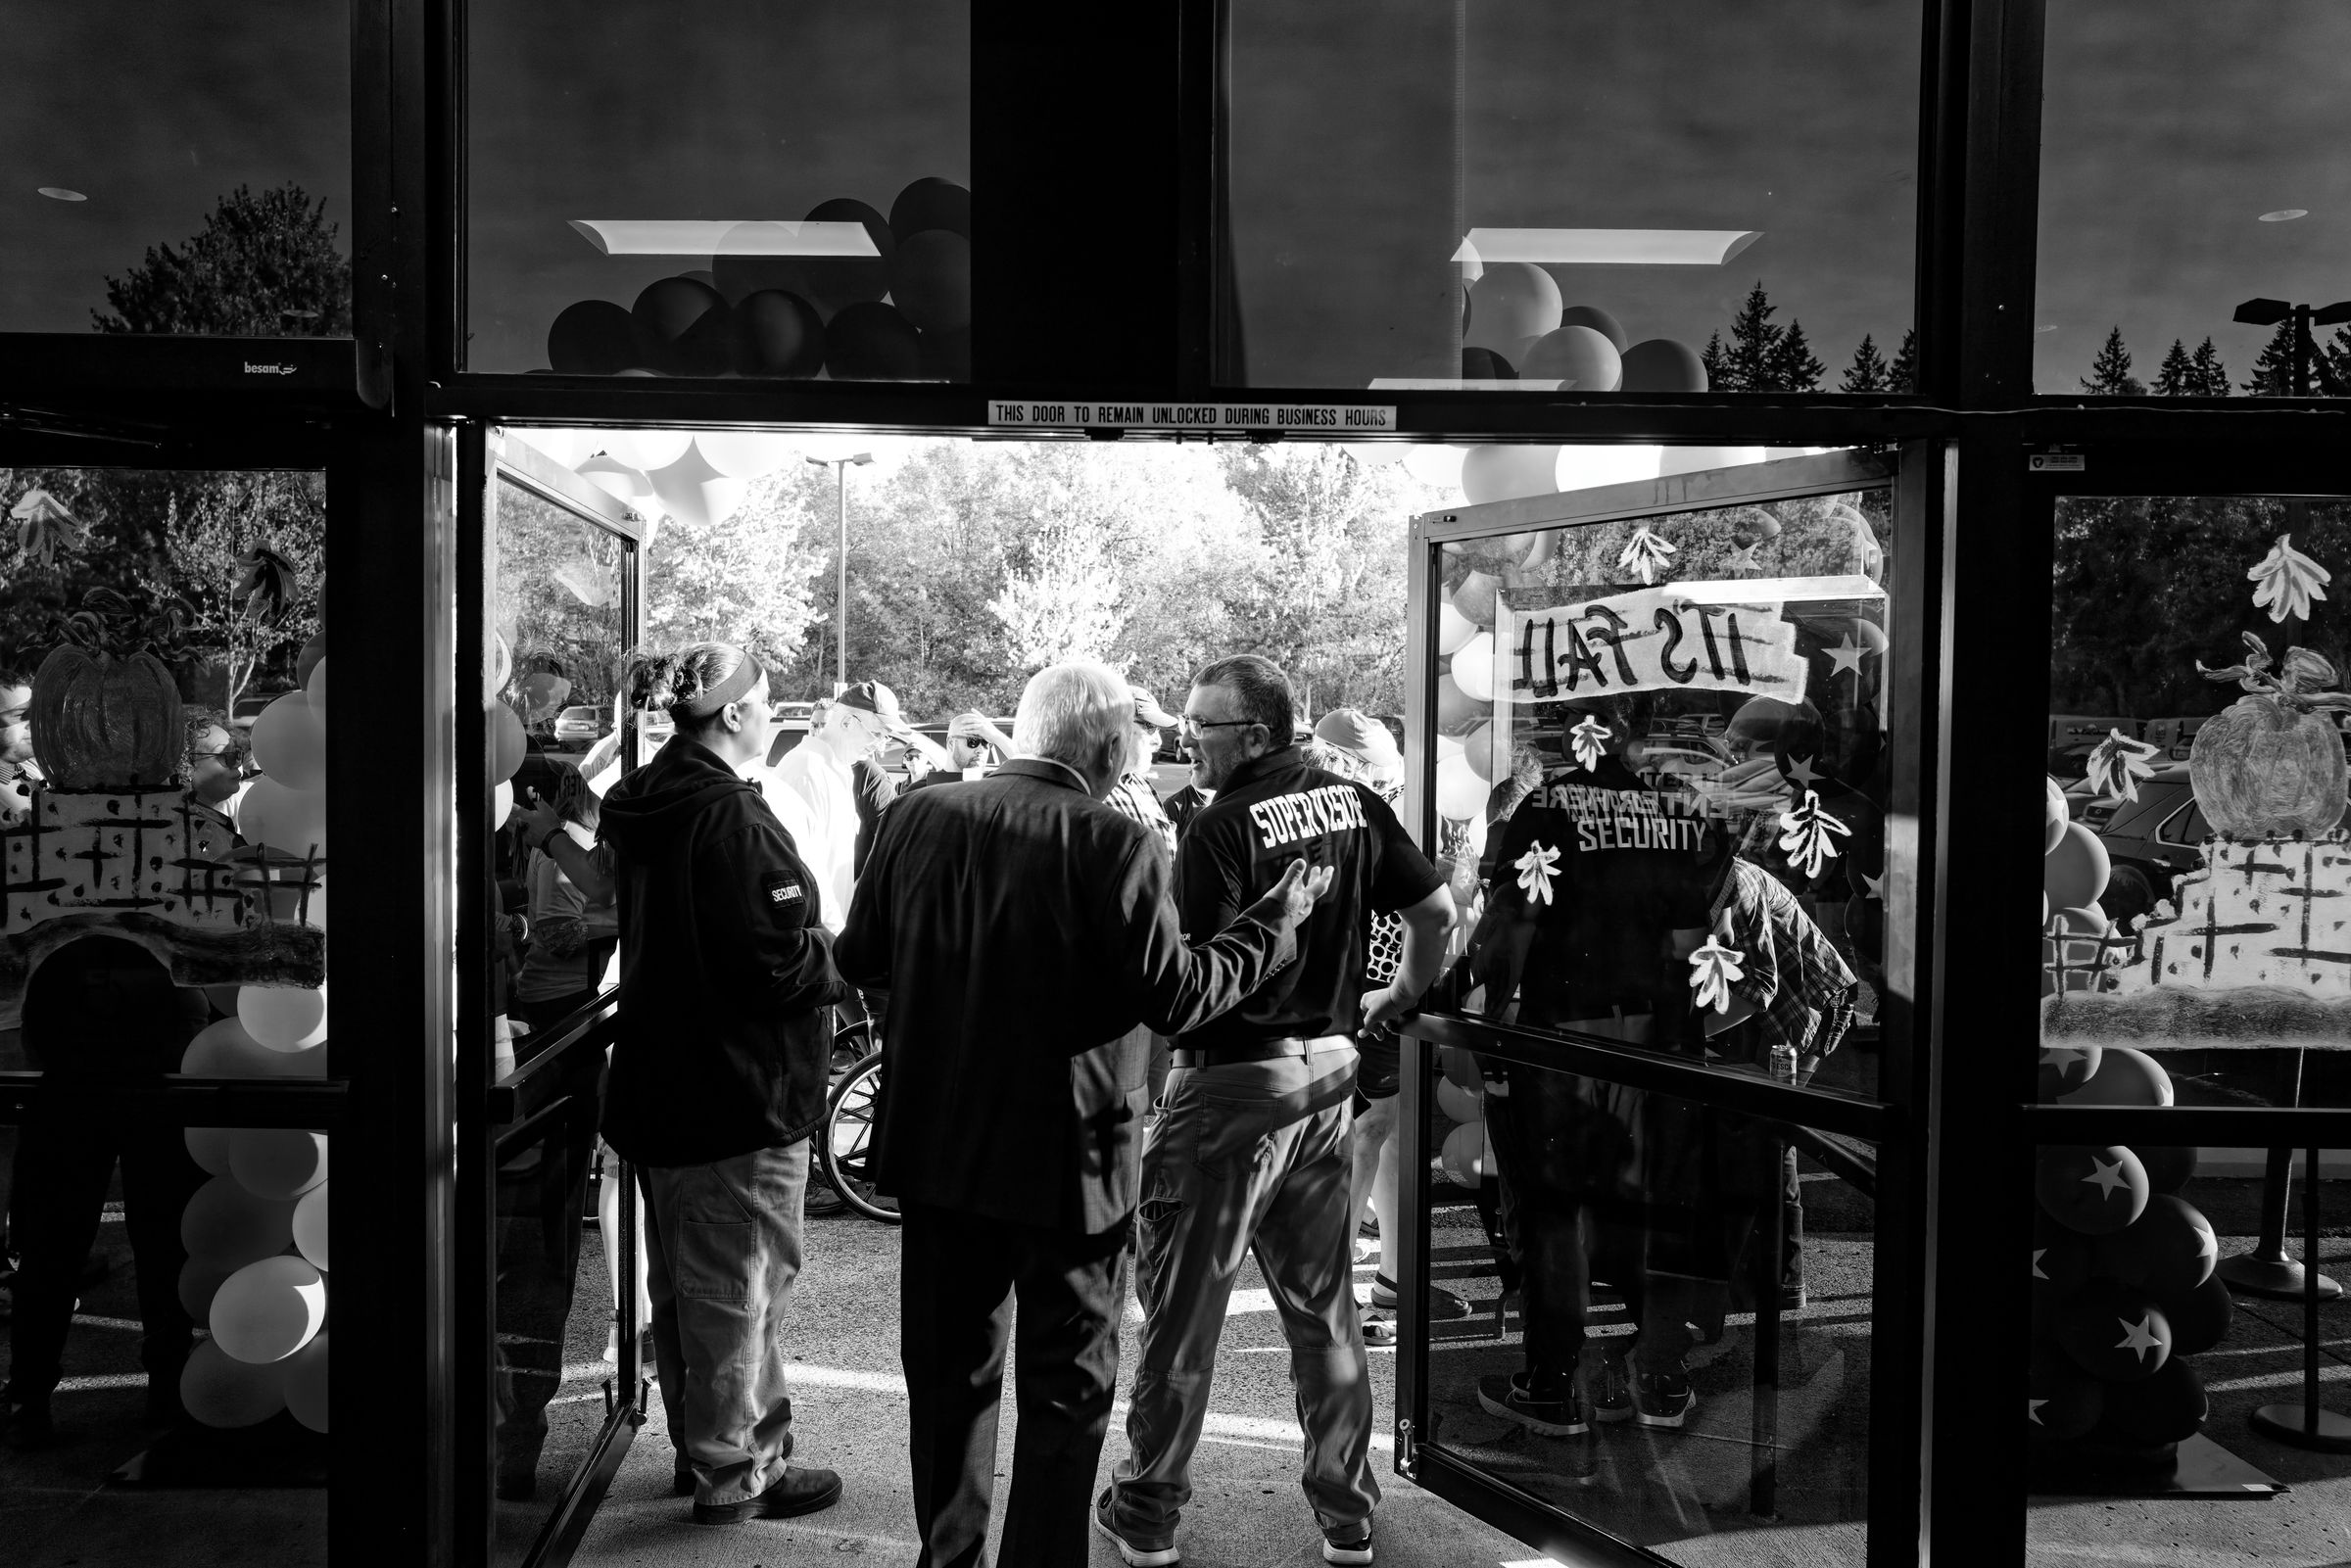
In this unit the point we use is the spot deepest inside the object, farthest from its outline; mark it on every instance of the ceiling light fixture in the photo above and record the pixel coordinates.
(2285, 214)
(1606, 247)
(57, 193)
(628, 236)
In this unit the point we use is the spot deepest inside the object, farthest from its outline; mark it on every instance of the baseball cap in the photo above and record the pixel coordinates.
(1148, 711)
(872, 696)
(1352, 731)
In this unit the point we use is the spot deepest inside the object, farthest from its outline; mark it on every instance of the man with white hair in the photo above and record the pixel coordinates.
(1030, 939)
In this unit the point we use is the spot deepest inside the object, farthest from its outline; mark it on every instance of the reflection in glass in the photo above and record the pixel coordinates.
(1652, 1314)
(1516, 194)
(1661, 747)
(706, 189)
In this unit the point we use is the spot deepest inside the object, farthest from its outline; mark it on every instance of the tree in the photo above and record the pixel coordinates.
(2208, 376)
(1062, 601)
(1868, 372)
(750, 577)
(1793, 368)
(1751, 362)
(2110, 372)
(2177, 376)
(1902, 377)
(2272, 374)
(263, 265)
(1715, 362)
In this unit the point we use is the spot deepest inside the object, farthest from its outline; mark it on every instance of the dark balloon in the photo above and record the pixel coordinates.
(777, 334)
(929, 203)
(840, 281)
(2115, 1332)
(1484, 365)
(872, 342)
(2165, 1407)
(682, 327)
(2060, 1267)
(593, 338)
(2200, 1319)
(1661, 364)
(2170, 1249)
(2063, 1401)
(1598, 320)
(2168, 1169)
(2095, 1192)
(931, 280)
(947, 355)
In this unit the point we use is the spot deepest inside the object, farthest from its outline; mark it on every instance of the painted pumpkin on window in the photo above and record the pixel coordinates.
(2271, 765)
(101, 721)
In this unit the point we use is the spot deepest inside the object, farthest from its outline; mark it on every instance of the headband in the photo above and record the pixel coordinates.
(747, 675)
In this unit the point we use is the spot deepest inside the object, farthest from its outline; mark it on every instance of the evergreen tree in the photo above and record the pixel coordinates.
(2338, 354)
(1868, 372)
(1793, 368)
(2177, 376)
(1750, 363)
(1902, 377)
(264, 266)
(2110, 372)
(1713, 360)
(2272, 373)
(2207, 376)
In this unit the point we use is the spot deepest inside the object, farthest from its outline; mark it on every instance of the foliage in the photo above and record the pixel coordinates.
(1869, 371)
(1762, 356)
(2207, 376)
(263, 265)
(2176, 376)
(2110, 372)
(750, 577)
(1902, 377)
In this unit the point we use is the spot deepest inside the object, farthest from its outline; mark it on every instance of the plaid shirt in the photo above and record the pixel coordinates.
(1135, 798)
(1799, 986)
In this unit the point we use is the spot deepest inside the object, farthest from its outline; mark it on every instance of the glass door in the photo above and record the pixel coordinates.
(1662, 745)
(557, 1375)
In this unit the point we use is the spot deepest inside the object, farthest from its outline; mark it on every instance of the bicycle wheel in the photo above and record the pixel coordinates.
(848, 1138)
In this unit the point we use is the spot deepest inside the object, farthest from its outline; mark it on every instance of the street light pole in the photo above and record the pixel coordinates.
(2266, 312)
(840, 599)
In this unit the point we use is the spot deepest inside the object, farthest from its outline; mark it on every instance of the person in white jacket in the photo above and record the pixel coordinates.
(830, 789)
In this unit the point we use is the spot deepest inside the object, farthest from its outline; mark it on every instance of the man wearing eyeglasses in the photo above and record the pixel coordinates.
(1250, 1149)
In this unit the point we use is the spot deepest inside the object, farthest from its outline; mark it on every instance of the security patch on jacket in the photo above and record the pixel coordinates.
(782, 889)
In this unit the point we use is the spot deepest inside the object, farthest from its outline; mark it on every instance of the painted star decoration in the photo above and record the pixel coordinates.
(1712, 968)
(1847, 654)
(1875, 885)
(1801, 771)
(2116, 766)
(2286, 581)
(1536, 868)
(2105, 1177)
(1805, 835)
(1648, 553)
(1742, 560)
(2137, 1338)
(1591, 739)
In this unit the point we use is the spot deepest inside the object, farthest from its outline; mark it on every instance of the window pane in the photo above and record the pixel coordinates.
(2190, 161)
(1660, 756)
(1716, 182)
(1690, 1286)
(2198, 952)
(716, 188)
(2159, 1378)
(179, 169)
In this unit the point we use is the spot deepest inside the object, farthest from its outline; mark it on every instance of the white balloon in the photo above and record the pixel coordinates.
(209, 1148)
(218, 1390)
(1474, 667)
(267, 1311)
(1448, 747)
(283, 1018)
(1460, 1104)
(292, 821)
(311, 1224)
(1378, 453)
(1460, 793)
(316, 693)
(228, 1227)
(744, 454)
(1588, 467)
(695, 494)
(1465, 1153)
(1440, 466)
(647, 450)
(224, 1049)
(618, 480)
(1453, 627)
(289, 742)
(1696, 459)
(501, 803)
(277, 1162)
(304, 1378)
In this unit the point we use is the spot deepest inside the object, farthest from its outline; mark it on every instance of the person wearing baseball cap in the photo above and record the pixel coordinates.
(829, 791)
(1134, 795)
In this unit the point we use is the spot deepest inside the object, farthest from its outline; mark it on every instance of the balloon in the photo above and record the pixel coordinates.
(2063, 1402)
(1453, 627)
(311, 1224)
(774, 332)
(931, 204)
(2124, 1077)
(695, 494)
(502, 666)
(1460, 1068)
(744, 454)
(1511, 304)
(218, 1390)
(198, 1283)
(542, 690)
(2165, 1408)
(305, 1380)
(1465, 1153)
(1484, 365)
(1697, 460)
(1473, 668)
(1579, 359)
(228, 1227)
(2168, 1167)
(314, 687)
(269, 1310)
(1477, 749)
(2053, 817)
(501, 803)
(835, 282)
(617, 480)
(647, 448)
(307, 661)
(746, 263)
(289, 743)
(290, 821)
(1460, 793)
(277, 1162)
(2115, 1333)
(2081, 959)
(209, 1148)
(2169, 1251)
(224, 1050)
(1509, 472)
(2095, 1192)
(1437, 466)
(2075, 873)
(2201, 1317)
(931, 280)
(872, 342)
(1474, 596)
(1460, 1104)
(682, 328)
(947, 355)
(283, 1018)
(2061, 1263)
(593, 338)
(1600, 322)
(2066, 1066)
(567, 444)
(1661, 364)
(509, 741)
(1455, 708)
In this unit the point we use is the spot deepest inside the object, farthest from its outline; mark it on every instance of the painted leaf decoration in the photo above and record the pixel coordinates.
(1591, 739)
(1648, 553)
(2116, 766)
(2287, 581)
(1712, 968)
(1805, 835)
(45, 526)
(264, 584)
(1535, 869)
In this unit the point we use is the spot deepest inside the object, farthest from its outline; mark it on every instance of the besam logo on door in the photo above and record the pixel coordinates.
(253, 370)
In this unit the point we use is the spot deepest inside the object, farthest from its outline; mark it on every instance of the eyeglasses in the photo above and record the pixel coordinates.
(1192, 727)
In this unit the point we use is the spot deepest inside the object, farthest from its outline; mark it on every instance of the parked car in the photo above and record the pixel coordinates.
(2175, 736)
(248, 707)
(579, 728)
(2161, 833)
(790, 732)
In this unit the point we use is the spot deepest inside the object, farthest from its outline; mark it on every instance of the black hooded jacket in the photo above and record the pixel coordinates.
(725, 971)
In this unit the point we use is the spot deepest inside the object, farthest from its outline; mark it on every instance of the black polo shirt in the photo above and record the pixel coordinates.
(1273, 810)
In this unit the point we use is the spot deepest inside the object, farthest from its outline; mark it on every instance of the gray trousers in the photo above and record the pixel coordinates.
(722, 1251)
(1250, 1157)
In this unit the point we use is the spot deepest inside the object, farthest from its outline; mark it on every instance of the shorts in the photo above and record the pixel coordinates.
(1379, 1069)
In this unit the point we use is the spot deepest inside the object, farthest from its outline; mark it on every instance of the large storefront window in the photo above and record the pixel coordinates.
(1515, 194)
(712, 189)
(176, 168)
